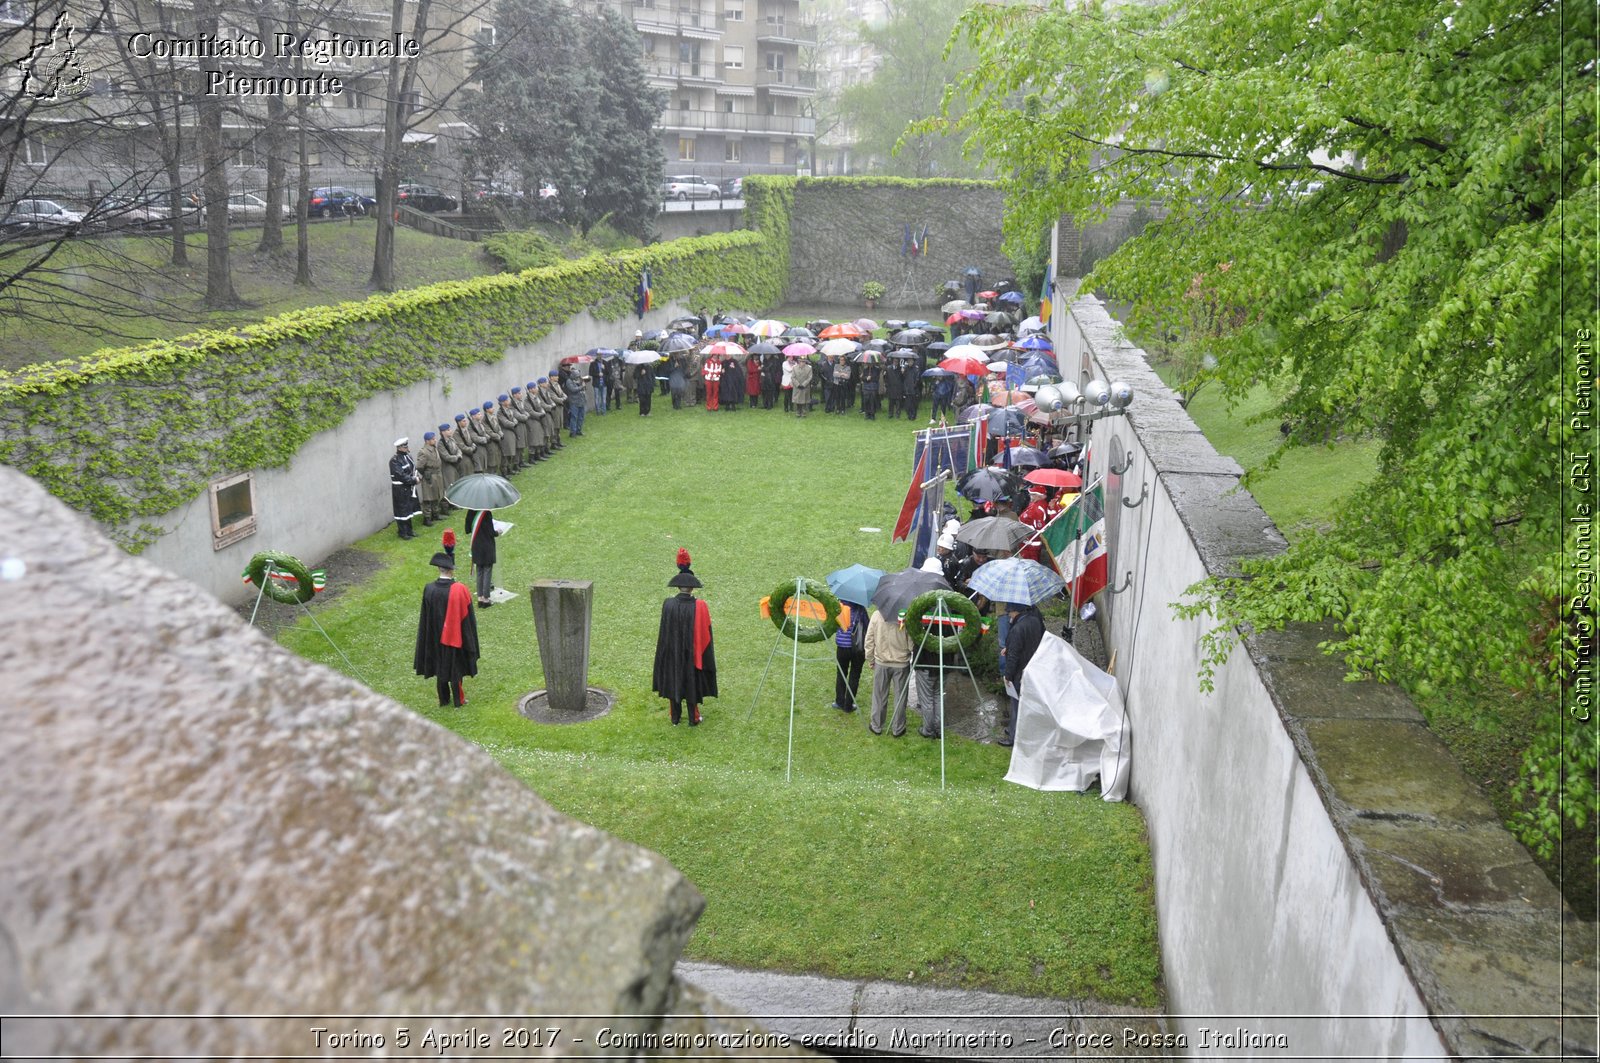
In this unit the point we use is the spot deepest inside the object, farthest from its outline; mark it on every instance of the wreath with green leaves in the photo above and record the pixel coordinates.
(956, 605)
(276, 589)
(799, 628)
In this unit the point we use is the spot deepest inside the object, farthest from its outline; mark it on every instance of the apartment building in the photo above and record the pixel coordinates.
(737, 89)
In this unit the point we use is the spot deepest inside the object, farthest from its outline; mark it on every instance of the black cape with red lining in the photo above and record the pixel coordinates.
(433, 658)
(676, 678)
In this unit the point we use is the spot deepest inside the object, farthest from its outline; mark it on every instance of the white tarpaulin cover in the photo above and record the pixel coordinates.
(1069, 725)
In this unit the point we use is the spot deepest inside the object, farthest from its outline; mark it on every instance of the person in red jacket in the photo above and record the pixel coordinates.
(686, 661)
(712, 371)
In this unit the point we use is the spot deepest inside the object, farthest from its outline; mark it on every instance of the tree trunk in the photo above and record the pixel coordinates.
(396, 119)
(272, 229)
(214, 180)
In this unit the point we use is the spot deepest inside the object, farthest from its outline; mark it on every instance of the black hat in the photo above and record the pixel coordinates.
(443, 560)
(685, 579)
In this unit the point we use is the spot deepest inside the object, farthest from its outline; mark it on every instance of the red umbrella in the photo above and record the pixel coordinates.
(965, 366)
(848, 330)
(725, 349)
(1054, 478)
(576, 359)
(987, 295)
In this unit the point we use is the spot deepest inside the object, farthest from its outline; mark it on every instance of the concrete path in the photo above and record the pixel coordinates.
(838, 1016)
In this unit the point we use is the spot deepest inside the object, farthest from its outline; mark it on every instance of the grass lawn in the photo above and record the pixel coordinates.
(861, 866)
(163, 301)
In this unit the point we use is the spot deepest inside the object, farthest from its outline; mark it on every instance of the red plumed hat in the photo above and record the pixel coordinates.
(683, 560)
(449, 537)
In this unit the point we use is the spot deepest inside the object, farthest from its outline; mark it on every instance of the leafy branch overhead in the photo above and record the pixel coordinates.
(1388, 213)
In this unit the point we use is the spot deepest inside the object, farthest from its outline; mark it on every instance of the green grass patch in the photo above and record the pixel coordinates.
(861, 866)
(125, 289)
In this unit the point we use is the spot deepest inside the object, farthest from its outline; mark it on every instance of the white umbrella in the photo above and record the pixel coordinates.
(839, 346)
(641, 357)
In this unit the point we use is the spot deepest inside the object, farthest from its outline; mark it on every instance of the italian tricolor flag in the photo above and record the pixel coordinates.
(1075, 542)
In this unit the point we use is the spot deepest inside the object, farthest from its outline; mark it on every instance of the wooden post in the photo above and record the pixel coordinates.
(561, 611)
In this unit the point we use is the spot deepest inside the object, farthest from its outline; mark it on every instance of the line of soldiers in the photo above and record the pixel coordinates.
(501, 437)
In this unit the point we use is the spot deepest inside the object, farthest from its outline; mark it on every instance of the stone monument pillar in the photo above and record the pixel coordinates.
(561, 610)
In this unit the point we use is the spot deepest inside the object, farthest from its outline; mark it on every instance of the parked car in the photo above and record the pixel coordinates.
(122, 213)
(689, 186)
(245, 206)
(336, 200)
(426, 198)
(40, 214)
(733, 188)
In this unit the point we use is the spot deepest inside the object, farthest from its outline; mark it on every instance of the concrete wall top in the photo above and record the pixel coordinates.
(1317, 850)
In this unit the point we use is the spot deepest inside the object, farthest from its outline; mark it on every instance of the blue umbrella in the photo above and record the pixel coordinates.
(855, 584)
(1027, 456)
(937, 372)
(1017, 580)
(1010, 297)
(603, 352)
(678, 341)
(1035, 342)
(720, 332)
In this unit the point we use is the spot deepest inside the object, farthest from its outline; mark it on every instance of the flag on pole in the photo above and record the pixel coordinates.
(1075, 542)
(924, 240)
(908, 508)
(907, 242)
(926, 522)
(1045, 301)
(643, 303)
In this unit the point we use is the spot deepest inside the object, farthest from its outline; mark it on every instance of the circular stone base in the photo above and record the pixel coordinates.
(536, 707)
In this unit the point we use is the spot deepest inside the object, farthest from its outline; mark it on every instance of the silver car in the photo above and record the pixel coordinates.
(689, 186)
(40, 214)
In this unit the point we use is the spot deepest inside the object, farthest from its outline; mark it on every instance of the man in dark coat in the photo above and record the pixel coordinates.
(1022, 641)
(644, 385)
(403, 488)
(447, 634)
(686, 661)
(480, 528)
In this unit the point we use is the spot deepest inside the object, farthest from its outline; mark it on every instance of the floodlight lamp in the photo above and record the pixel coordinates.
(1121, 395)
(1097, 392)
(1069, 392)
(1049, 397)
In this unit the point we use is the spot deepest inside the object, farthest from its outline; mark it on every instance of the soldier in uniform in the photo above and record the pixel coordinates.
(510, 445)
(467, 444)
(480, 436)
(491, 431)
(430, 478)
(456, 464)
(533, 424)
(558, 408)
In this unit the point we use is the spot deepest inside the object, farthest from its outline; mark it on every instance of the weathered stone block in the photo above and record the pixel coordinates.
(561, 612)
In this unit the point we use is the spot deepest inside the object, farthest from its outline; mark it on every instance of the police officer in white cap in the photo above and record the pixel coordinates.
(403, 488)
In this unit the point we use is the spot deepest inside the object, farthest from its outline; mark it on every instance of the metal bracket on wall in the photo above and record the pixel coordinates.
(1144, 491)
(1127, 581)
(1125, 467)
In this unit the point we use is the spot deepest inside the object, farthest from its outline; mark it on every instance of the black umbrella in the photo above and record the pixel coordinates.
(989, 485)
(818, 325)
(1066, 450)
(764, 347)
(938, 348)
(1008, 422)
(678, 341)
(685, 324)
(903, 353)
(898, 589)
(655, 334)
(878, 345)
(894, 324)
(797, 332)
(911, 337)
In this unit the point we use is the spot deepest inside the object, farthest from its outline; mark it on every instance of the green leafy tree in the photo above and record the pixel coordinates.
(1405, 199)
(627, 167)
(908, 85)
(565, 100)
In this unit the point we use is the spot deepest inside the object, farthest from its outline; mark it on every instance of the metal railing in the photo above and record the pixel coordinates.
(788, 79)
(771, 30)
(738, 122)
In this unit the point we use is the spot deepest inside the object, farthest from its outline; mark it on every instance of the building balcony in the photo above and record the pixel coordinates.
(701, 73)
(787, 82)
(690, 19)
(788, 125)
(782, 31)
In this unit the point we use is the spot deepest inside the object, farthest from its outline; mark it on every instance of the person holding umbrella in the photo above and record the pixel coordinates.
(800, 378)
(644, 385)
(685, 670)
(447, 634)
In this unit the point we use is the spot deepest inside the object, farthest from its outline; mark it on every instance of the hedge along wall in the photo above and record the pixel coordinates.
(841, 231)
(133, 436)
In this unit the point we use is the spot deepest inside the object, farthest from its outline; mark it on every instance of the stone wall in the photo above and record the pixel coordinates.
(1317, 852)
(199, 823)
(853, 231)
(335, 489)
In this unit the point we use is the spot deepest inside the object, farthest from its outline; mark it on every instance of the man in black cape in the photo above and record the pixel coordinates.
(686, 662)
(447, 634)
